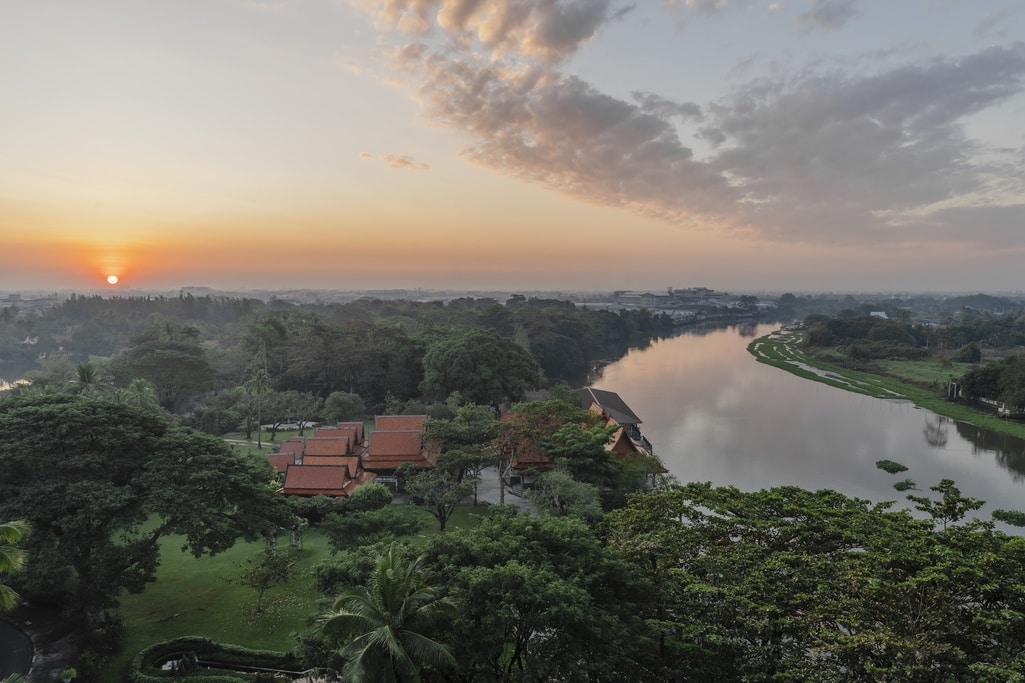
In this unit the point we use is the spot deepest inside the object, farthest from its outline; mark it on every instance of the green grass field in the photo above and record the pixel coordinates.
(923, 382)
(202, 597)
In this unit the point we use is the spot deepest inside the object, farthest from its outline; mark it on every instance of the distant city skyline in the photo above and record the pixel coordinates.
(535, 145)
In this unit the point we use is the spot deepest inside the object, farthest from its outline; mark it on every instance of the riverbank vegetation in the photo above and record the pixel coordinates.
(885, 359)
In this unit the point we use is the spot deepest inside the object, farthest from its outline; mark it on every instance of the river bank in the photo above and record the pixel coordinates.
(781, 349)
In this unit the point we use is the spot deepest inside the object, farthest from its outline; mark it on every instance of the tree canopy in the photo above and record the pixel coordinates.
(481, 365)
(100, 482)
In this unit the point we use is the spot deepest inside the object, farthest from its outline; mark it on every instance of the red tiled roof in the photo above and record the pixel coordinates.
(281, 461)
(327, 445)
(395, 443)
(399, 422)
(390, 449)
(358, 426)
(350, 433)
(349, 461)
(327, 480)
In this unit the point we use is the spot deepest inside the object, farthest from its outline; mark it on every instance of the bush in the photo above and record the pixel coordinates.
(144, 667)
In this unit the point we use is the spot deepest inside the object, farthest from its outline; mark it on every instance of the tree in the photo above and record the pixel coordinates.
(11, 560)
(788, 584)
(257, 386)
(87, 380)
(437, 491)
(464, 442)
(140, 393)
(261, 573)
(561, 495)
(101, 483)
(480, 364)
(383, 629)
(541, 599)
(341, 406)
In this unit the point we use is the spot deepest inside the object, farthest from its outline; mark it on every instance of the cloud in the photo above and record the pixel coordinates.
(401, 163)
(829, 15)
(404, 163)
(823, 155)
(549, 30)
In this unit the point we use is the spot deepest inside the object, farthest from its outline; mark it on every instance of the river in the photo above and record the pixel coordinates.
(713, 413)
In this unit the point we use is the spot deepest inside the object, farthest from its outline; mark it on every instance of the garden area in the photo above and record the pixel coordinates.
(206, 597)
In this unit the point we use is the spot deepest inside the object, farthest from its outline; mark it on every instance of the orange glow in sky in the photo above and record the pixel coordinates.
(343, 145)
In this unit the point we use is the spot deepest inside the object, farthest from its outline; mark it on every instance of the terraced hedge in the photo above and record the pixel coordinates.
(145, 667)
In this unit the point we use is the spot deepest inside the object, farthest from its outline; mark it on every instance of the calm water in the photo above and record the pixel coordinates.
(715, 414)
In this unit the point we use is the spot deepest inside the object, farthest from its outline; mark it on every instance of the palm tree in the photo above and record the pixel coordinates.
(141, 394)
(11, 560)
(258, 385)
(387, 621)
(87, 380)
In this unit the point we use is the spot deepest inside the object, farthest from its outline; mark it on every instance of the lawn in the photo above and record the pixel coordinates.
(202, 597)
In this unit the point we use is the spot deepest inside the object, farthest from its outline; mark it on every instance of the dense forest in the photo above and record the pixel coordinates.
(212, 360)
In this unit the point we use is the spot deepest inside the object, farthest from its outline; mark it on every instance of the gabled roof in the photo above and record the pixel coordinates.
(358, 426)
(327, 445)
(328, 480)
(610, 403)
(390, 449)
(293, 444)
(407, 442)
(281, 461)
(350, 433)
(399, 422)
(349, 461)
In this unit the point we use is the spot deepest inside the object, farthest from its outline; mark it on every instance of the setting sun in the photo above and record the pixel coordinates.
(112, 279)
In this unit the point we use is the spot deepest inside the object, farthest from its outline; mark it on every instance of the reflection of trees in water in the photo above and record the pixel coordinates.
(749, 330)
(936, 431)
(1008, 450)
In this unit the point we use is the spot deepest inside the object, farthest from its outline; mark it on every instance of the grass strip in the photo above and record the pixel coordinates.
(782, 350)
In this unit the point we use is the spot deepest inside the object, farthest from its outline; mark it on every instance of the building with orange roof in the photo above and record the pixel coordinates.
(388, 450)
(393, 423)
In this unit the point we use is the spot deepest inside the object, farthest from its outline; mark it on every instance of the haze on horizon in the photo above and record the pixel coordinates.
(574, 145)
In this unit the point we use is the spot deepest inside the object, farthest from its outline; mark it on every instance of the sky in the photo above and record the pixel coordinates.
(573, 145)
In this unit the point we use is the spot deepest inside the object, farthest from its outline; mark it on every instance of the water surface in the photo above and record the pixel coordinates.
(713, 413)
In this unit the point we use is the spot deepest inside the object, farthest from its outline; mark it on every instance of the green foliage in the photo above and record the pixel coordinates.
(261, 573)
(117, 478)
(483, 366)
(342, 406)
(383, 629)
(891, 466)
(358, 529)
(787, 584)
(366, 498)
(557, 493)
(541, 599)
(438, 491)
(11, 560)
(1012, 517)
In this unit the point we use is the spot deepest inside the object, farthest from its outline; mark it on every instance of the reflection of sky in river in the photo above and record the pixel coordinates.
(715, 414)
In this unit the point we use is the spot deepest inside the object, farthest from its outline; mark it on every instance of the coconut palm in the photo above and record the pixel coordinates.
(11, 559)
(387, 621)
(141, 394)
(87, 380)
(259, 384)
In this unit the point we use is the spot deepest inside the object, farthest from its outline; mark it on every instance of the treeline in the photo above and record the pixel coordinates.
(225, 364)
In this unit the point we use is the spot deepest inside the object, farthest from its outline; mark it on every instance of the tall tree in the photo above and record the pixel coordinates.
(483, 366)
(101, 482)
(11, 560)
(383, 629)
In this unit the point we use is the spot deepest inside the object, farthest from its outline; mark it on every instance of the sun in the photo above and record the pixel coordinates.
(112, 279)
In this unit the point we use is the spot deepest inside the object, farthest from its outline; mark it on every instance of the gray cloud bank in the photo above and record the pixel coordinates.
(817, 156)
